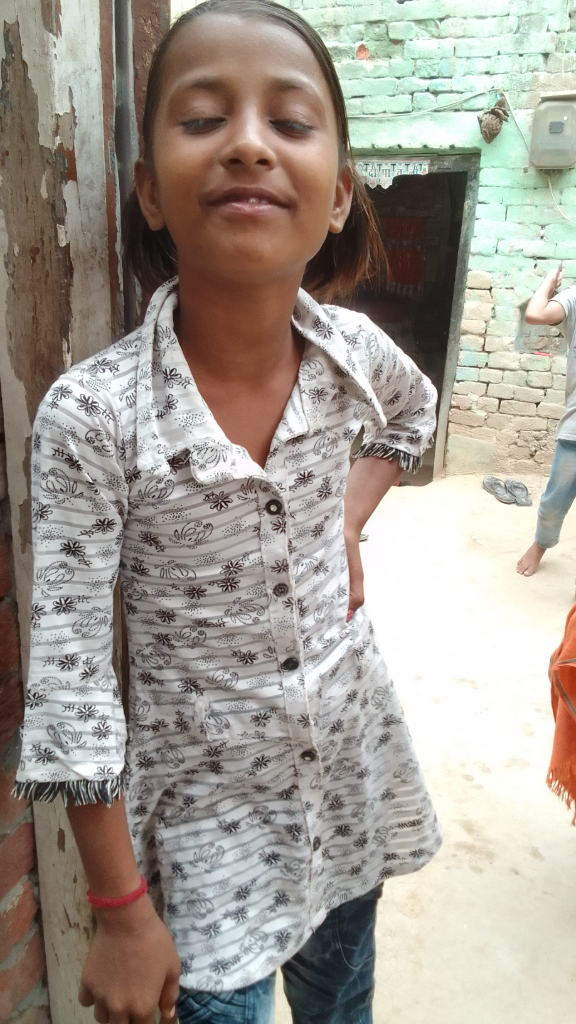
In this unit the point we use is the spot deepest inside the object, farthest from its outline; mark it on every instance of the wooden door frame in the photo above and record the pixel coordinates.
(469, 163)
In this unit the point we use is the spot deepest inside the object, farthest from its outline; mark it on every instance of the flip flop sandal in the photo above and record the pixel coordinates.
(496, 487)
(519, 491)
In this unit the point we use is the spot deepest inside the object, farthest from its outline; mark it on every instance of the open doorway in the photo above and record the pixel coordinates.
(426, 225)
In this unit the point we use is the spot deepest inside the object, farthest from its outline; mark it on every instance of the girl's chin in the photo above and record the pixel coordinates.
(246, 265)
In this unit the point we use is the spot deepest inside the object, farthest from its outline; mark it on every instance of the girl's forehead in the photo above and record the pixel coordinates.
(222, 40)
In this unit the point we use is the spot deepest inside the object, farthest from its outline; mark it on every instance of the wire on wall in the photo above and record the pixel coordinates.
(562, 214)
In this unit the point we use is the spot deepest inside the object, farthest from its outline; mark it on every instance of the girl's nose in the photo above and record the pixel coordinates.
(248, 144)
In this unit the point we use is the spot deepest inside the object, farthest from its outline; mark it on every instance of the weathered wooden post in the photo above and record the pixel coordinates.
(69, 72)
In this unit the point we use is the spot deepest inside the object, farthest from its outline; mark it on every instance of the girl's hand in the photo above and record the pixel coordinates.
(554, 281)
(132, 967)
(355, 573)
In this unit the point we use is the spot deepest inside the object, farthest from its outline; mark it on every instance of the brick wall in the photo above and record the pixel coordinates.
(23, 994)
(506, 402)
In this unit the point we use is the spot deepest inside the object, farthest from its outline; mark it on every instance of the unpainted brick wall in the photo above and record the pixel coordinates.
(23, 993)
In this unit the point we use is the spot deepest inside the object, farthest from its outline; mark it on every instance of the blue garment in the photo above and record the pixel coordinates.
(329, 981)
(558, 496)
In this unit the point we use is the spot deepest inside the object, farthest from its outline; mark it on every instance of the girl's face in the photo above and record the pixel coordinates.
(246, 172)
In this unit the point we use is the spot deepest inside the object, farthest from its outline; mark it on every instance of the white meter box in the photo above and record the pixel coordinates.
(553, 144)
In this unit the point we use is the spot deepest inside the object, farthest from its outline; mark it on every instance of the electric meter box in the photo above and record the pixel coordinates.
(553, 143)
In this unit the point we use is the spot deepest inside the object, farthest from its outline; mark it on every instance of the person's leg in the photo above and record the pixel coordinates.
(251, 1005)
(554, 504)
(331, 979)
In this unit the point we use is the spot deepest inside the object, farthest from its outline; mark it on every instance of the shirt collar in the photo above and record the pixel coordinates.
(173, 419)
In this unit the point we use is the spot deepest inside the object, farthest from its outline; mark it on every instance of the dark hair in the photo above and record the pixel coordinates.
(344, 259)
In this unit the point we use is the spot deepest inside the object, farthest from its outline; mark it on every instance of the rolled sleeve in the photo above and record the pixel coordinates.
(408, 402)
(74, 733)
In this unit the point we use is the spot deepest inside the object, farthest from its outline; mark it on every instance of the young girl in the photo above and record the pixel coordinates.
(266, 783)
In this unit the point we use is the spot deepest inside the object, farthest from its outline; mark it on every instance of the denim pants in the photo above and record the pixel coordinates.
(329, 981)
(558, 496)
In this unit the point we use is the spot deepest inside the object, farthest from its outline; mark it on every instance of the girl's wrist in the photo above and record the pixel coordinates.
(129, 918)
(115, 902)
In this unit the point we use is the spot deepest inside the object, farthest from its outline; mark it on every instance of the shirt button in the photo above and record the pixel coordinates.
(274, 507)
(308, 756)
(290, 665)
(316, 844)
(280, 590)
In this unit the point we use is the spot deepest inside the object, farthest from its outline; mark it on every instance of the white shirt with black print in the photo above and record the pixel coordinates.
(268, 769)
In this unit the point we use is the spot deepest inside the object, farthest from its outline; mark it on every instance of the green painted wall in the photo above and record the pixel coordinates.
(399, 62)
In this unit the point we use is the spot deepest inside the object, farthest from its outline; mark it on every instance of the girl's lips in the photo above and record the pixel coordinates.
(250, 207)
(249, 200)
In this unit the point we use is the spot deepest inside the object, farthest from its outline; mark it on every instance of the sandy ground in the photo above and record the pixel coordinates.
(486, 934)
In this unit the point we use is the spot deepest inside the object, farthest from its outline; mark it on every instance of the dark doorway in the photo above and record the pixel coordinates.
(418, 301)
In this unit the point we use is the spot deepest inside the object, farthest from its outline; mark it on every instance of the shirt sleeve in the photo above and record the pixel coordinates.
(74, 732)
(407, 400)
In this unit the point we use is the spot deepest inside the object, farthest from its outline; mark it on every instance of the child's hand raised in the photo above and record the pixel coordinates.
(554, 280)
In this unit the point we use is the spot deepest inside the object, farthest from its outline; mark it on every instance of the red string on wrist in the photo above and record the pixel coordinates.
(103, 903)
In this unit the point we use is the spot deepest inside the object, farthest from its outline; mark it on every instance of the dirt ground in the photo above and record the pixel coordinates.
(486, 934)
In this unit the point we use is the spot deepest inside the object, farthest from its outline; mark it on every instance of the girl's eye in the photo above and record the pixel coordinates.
(293, 127)
(202, 124)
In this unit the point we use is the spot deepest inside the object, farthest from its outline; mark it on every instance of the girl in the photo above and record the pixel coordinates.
(266, 783)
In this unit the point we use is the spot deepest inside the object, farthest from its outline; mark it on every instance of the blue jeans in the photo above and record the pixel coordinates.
(558, 496)
(329, 981)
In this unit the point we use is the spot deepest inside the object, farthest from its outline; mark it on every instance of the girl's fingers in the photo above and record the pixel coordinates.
(85, 997)
(169, 996)
(100, 1013)
(168, 1017)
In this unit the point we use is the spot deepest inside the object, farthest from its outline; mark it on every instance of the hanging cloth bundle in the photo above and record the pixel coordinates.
(562, 770)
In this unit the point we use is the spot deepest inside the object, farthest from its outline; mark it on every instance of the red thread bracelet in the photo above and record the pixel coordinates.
(102, 903)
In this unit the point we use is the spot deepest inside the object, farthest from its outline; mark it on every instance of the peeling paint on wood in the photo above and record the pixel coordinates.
(34, 259)
(112, 191)
(57, 289)
(51, 15)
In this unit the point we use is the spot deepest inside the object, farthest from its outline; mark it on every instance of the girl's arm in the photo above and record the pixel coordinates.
(368, 481)
(542, 309)
(132, 967)
(74, 730)
(394, 443)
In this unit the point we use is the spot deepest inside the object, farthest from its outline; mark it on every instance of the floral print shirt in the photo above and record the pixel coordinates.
(268, 770)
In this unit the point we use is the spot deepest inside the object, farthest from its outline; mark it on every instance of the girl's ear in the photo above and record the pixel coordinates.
(342, 201)
(147, 192)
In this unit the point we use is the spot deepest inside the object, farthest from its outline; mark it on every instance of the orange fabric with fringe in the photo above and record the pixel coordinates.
(562, 770)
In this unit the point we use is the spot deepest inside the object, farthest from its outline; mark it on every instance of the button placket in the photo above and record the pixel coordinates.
(288, 650)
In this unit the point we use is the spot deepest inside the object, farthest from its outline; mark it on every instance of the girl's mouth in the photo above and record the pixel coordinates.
(247, 200)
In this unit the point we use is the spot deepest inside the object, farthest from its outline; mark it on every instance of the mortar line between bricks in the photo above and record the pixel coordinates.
(26, 815)
(13, 894)
(36, 999)
(18, 951)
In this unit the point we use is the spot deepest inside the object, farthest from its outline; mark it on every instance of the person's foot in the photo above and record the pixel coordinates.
(528, 564)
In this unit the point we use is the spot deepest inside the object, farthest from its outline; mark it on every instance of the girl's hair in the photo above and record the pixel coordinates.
(344, 259)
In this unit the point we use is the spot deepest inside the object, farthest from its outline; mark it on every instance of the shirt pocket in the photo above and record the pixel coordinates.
(246, 721)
